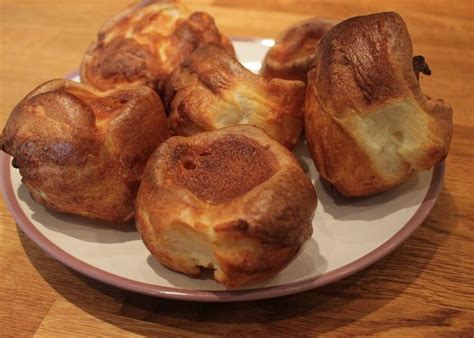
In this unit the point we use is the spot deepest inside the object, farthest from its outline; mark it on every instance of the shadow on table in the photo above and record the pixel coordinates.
(317, 311)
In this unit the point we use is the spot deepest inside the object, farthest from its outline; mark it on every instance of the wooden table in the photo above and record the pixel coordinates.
(425, 287)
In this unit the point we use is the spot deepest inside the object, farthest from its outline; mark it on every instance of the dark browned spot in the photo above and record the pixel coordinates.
(14, 164)
(206, 272)
(223, 169)
(420, 66)
(239, 225)
(189, 165)
(398, 135)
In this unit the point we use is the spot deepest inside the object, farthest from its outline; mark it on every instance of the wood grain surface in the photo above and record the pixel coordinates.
(424, 288)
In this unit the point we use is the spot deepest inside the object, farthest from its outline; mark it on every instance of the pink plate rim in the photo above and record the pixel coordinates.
(384, 249)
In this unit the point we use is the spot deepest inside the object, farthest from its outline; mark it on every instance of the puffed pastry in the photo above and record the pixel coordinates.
(231, 200)
(143, 44)
(294, 50)
(368, 124)
(82, 151)
(212, 90)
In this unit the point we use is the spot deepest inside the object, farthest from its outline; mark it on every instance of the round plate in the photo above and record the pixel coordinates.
(349, 234)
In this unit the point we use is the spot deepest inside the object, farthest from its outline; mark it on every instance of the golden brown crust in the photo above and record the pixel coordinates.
(294, 50)
(212, 90)
(368, 124)
(143, 44)
(245, 233)
(224, 169)
(83, 151)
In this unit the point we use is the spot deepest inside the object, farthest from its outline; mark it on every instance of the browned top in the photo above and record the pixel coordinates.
(144, 43)
(300, 40)
(224, 169)
(122, 60)
(295, 49)
(366, 58)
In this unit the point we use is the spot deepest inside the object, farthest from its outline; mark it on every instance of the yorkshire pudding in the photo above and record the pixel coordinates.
(368, 124)
(294, 49)
(232, 200)
(143, 44)
(212, 90)
(83, 151)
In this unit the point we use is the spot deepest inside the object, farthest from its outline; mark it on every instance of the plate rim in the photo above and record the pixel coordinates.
(24, 223)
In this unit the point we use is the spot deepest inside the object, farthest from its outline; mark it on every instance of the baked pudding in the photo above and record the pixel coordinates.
(231, 200)
(212, 90)
(143, 44)
(294, 50)
(368, 124)
(82, 151)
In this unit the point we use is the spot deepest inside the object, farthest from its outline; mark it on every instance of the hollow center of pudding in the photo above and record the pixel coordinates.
(224, 169)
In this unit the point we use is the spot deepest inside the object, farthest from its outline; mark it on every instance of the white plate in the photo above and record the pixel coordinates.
(349, 234)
